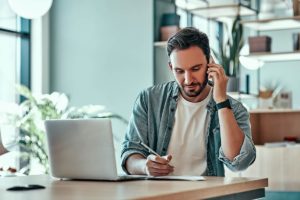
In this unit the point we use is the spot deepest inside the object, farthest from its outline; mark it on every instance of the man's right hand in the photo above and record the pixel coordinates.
(151, 166)
(158, 166)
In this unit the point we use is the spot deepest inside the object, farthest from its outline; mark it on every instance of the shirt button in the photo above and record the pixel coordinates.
(172, 109)
(169, 128)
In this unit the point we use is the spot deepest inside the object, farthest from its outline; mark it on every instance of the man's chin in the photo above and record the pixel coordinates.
(191, 94)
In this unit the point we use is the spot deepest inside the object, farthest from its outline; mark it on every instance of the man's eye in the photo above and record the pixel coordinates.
(195, 69)
(178, 71)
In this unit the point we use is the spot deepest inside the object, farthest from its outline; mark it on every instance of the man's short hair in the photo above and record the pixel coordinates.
(188, 37)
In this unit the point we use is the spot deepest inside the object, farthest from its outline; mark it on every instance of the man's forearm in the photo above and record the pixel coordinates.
(135, 164)
(232, 136)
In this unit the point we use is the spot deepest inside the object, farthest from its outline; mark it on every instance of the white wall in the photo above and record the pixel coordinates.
(101, 51)
(40, 55)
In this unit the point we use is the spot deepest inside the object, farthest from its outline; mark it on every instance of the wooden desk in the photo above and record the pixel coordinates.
(213, 187)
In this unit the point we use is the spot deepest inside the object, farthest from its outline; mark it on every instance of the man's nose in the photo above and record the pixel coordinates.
(188, 79)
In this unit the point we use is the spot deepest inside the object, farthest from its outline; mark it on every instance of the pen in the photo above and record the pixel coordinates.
(149, 149)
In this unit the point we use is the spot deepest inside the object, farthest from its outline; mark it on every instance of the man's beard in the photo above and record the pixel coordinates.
(194, 92)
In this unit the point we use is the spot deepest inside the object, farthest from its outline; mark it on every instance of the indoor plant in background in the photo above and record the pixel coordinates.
(35, 109)
(229, 52)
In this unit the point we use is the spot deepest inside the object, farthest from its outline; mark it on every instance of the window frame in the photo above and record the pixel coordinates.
(25, 54)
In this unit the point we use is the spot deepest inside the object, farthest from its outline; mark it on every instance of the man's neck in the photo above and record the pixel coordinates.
(198, 98)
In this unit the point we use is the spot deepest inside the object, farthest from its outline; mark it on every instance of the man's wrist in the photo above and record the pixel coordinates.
(223, 104)
(221, 100)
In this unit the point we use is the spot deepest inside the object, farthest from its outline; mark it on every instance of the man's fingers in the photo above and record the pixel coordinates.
(151, 163)
(217, 73)
(154, 165)
(211, 60)
(158, 166)
(157, 159)
(163, 171)
(213, 75)
(168, 157)
(155, 169)
(216, 68)
(157, 172)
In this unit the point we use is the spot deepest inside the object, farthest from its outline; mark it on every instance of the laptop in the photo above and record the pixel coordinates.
(84, 149)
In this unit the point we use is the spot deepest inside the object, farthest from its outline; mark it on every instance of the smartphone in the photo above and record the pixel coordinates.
(25, 187)
(212, 58)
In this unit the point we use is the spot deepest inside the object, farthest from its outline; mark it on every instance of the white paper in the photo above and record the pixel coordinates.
(183, 178)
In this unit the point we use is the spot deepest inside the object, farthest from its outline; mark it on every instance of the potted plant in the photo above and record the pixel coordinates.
(34, 110)
(228, 53)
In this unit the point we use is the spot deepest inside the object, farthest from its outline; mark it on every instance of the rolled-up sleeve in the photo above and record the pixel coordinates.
(136, 131)
(130, 151)
(247, 152)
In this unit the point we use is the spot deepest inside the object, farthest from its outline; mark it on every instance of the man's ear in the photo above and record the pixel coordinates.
(170, 65)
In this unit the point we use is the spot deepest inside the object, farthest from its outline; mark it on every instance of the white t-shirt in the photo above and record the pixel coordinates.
(188, 140)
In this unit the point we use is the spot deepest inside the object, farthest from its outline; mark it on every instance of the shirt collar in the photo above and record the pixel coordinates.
(175, 91)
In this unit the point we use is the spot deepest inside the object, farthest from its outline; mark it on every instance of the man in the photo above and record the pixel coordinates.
(194, 127)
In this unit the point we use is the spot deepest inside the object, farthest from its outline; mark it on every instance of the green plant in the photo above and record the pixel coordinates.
(228, 52)
(35, 109)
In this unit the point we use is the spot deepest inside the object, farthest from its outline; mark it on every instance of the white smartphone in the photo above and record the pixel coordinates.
(211, 59)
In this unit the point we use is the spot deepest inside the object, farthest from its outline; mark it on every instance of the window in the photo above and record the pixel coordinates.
(14, 68)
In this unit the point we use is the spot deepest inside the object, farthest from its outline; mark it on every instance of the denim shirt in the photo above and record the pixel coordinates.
(152, 122)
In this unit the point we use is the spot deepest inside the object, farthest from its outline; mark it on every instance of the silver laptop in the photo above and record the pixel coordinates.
(82, 149)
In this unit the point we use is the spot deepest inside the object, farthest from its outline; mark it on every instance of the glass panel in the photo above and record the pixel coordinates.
(9, 62)
(9, 76)
(8, 19)
(202, 24)
(209, 27)
(183, 18)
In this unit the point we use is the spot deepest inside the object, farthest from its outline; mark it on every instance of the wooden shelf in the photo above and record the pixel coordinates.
(190, 4)
(215, 11)
(238, 96)
(274, 57)
(273, 24)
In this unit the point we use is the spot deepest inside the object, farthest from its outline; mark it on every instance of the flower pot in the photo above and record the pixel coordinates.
(168, 31)
(260, 44)
(169, 25)
(233, 84)
(170, 19)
